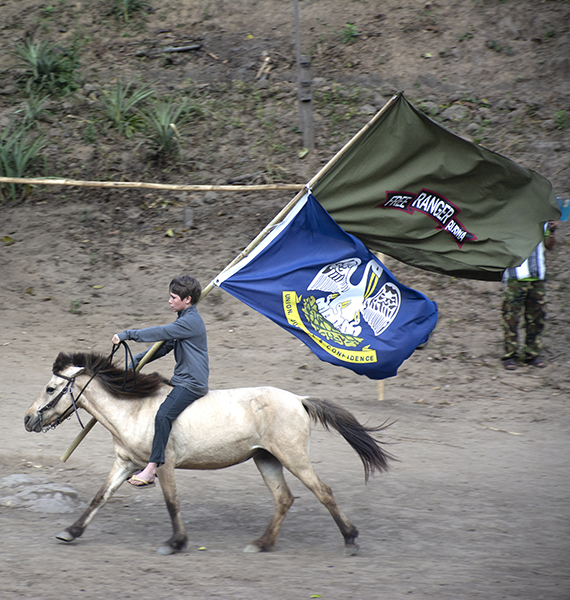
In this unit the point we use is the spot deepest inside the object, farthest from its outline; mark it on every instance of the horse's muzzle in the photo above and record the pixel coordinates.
(33, 423)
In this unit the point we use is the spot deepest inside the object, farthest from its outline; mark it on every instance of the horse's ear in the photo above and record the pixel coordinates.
(73, 371)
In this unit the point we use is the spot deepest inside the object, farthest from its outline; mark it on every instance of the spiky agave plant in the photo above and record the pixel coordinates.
(119, 107)
(33, 109)
(163, 121)
(19, 154)
(48, 68)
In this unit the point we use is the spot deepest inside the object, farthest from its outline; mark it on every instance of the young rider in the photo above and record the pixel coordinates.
(187, 337)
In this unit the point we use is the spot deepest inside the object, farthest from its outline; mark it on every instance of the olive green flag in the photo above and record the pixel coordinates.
(413, 190)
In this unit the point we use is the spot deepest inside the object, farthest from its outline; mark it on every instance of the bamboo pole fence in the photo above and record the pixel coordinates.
(283, 187)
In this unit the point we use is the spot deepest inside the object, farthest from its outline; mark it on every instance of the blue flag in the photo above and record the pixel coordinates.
(326, 288)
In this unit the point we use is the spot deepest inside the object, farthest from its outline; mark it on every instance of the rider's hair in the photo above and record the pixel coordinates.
(185, 286)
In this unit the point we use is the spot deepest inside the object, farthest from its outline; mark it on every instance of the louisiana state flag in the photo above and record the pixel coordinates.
(326, 288)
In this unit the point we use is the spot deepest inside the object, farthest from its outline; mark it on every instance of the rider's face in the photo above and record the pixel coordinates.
(177, 303)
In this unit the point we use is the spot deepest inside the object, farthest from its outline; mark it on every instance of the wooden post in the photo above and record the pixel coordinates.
(305, 96)
(306, 103)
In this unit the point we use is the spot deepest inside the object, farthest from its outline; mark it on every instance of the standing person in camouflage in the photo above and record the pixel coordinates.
(524, 292)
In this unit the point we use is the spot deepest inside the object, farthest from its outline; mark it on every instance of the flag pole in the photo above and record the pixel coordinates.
(253, 244)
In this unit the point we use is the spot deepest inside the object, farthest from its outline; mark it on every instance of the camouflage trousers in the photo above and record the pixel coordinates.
(528, 298)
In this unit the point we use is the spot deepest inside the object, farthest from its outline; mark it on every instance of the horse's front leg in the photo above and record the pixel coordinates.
(179, 539)
(119, 473)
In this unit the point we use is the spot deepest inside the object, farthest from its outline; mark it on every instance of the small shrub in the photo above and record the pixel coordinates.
(119, 105)
(19, 156)
(49, 68)
(349, 33)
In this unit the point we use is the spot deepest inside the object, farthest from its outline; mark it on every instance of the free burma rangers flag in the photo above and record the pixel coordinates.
(415, 191)
(327, 289)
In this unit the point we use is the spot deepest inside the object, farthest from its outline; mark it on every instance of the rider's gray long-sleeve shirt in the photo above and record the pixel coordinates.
(187, 336)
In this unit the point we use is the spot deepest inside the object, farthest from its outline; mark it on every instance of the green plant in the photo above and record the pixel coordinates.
(465, 36)
(349, 33)
(127, 7)
(49, 68)
(561, 119)
(493, 45)
(19, 155)
(33, 109)
(47, 11)
(119, 105)
(162, 123)
(89, 133)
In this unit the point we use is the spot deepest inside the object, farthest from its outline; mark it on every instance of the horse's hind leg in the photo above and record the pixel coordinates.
(324, 493)
(272, 472)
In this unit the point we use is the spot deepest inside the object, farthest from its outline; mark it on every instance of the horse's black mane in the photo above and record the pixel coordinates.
(115, 380)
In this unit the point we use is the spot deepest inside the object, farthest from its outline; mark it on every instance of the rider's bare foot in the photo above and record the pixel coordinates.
(148, 475)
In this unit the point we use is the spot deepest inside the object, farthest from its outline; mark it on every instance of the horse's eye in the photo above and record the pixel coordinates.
(50, 390)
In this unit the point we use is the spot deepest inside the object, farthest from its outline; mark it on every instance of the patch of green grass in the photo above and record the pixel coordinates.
(279, 148)
(561, 119)
(49, 68)
(19, 157)
(89, 134)
(119, 107)
(75, 307)
(338, 103)
(126, 8)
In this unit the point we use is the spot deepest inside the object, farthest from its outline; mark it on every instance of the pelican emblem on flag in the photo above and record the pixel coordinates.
(348, 302)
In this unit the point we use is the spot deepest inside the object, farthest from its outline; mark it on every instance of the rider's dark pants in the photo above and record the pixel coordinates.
(178, 399)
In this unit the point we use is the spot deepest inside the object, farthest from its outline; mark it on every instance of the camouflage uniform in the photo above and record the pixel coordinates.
(523, 297)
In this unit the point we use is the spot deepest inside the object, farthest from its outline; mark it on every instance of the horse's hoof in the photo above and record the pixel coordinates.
(65, 536)
(166, 550)
(252, 549)
(351, 550)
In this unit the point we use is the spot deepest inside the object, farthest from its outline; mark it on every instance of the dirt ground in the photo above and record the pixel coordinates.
(477, 506)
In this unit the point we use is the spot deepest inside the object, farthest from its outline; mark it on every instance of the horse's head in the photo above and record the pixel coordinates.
(58, 399)
(55, 403)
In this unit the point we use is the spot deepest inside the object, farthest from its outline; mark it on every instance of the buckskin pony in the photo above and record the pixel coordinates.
(223, 428)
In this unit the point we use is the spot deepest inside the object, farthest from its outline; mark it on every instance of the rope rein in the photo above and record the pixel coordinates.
(71, 382)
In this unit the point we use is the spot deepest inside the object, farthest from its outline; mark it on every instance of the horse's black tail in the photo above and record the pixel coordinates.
(371, 453)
